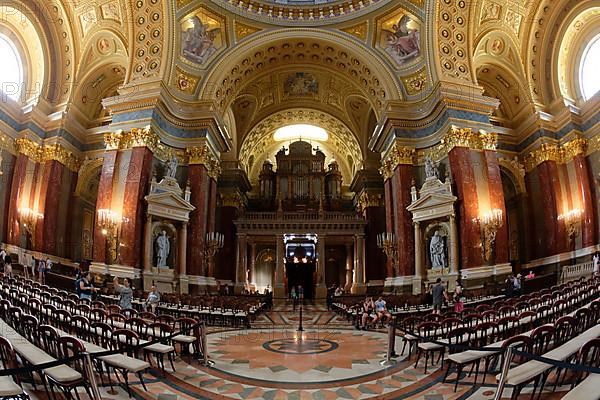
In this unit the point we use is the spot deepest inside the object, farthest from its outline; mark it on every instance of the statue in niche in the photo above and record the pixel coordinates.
(437, 251)
(171, 167)
(163, 248)
(431, 168)
(198, 41)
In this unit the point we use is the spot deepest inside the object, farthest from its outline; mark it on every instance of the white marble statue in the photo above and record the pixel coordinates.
(171, 167)
(437, 251)
(431, 169)
(163, 248)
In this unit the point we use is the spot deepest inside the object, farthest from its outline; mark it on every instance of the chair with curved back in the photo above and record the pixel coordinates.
(10, 384)
(71, 348)
(429, 331)
(127, 341)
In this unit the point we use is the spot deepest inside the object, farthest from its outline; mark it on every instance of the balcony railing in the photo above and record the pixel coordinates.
(302, 216)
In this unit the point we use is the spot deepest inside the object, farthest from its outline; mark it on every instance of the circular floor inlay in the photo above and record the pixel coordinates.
(300, 346)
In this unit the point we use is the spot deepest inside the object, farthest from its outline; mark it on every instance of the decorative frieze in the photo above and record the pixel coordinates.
(39, 153)
(29, 148)
(397, 155)
(202, 155)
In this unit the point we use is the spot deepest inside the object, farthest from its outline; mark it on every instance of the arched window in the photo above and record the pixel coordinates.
(11, 69)
(590, 65)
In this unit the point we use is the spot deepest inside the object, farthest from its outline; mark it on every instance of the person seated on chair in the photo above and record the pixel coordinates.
(368, 311)
(381, 310)
(152, 299)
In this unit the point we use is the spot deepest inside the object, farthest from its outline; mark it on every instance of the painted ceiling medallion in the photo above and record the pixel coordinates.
(201, 37)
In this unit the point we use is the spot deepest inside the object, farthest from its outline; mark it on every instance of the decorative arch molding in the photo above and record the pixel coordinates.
(314, 46)
(88, 171)
(542, 47)
(342, 142)
(515, 171)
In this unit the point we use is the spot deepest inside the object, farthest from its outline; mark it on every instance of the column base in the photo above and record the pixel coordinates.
(359, 288)
(399, 285)
(321, 292)
(279, 291)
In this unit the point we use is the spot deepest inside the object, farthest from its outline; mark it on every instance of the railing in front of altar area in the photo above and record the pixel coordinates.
(574, 272)
(302, 216)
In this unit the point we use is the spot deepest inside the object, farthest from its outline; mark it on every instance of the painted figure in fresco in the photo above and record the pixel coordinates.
(437, 251)
(163, 247)
(301, 84)
(198, 42)
(402, 43)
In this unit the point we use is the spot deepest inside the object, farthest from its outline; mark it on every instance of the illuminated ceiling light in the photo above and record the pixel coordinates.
(300, 131)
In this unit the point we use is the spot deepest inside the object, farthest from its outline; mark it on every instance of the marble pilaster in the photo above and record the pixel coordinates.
(349, 268)
(104, 201)
(199, 186)
(359, 286)
(588, 223)
(401, 185)
(497, 202)
(50, 193)
(279, 287)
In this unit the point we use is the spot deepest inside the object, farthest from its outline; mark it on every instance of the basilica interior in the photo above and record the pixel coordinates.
(225, 182)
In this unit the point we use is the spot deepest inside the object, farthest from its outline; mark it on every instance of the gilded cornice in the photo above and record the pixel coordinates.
(555, 152)
(465, 137)
(201, 155)
(398, 155)
(136, 137)
(366, 200)
(53, 152)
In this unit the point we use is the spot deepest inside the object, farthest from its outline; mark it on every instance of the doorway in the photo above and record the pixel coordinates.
(301, 274)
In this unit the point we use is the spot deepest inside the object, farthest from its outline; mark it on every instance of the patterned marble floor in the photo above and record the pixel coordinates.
(329, 360)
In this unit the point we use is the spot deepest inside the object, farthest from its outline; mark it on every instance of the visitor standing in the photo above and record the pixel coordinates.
(458, 297)
(85, 286)
(125, 292)
(42, 271)
(8, 265)
(596, 260)
(438, 293)
(517, 285)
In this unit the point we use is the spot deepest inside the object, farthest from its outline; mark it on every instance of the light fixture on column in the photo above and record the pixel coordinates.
(29, 218)
(213, 243)
(572, 220)
(387, 242)
(109, 222)
(489, 222)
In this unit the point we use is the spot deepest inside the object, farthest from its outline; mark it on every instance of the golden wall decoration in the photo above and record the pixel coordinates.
(136, 137)
(202, 35)
(29, 148)
(202, 155)
(360, 31)
(148, 18)
(243, 30)
(232, 199)
(466, 137)
(58, 153)
(366, 200)
(416, 82)
(185, 82)
(399, 36)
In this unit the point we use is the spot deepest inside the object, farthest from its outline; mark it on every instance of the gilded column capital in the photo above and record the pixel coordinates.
(466, 137)
(112, 140)
(136, 137)
(574, 148)
(58, 153)
(555, 152)
(234, 200)
(366, 200)
(30, 149)
(397, 155)
(201, 155)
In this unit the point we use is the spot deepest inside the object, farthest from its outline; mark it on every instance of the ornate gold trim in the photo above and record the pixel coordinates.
(465, 137)
(397, 155)
(30, 149)
(201, 155)
(136, 137)
(58, 153)
(233, 199)
(360, 31)
(555, 152)
(415, 83)
(366, 200)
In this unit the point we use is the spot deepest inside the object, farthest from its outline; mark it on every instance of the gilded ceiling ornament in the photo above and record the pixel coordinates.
(513, 21)
(243, 30)
(149, 20)
(452, 38)
(185, 82)
(490, 11)
(360, 30)
(416, 82)
(111, 11)
(366, 200)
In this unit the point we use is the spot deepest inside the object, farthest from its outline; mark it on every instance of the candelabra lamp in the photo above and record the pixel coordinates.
(387, 242)
(109, 222)
(29, 219)
(572, 221)
(213, 243)
(489, 223)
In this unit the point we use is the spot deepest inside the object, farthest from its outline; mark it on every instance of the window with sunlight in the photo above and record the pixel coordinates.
(301, 131)
(590, 65)
(11, 69)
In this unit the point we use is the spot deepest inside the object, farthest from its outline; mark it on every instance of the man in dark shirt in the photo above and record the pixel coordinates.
(438, 292)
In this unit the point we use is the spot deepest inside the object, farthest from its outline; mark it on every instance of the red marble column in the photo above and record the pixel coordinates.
(389, 219)
(8, 169)
(544, 214)
(376, 267)
(16, 191)
(497, 202)
(588, 224)
(212, 206)
(49, 202)
(561, 244)
(401, 184)
(463, 177)
(71, 213)
(200, 186)
(104, 201)
(136, 187)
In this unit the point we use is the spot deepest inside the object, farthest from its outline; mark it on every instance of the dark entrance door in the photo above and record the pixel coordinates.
(301, 274)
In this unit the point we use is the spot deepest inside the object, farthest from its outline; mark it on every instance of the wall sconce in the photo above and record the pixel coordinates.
(489, 223)
(213, 243)
(387, 242)
(29, 218)
(109, 223)
(572, 219)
